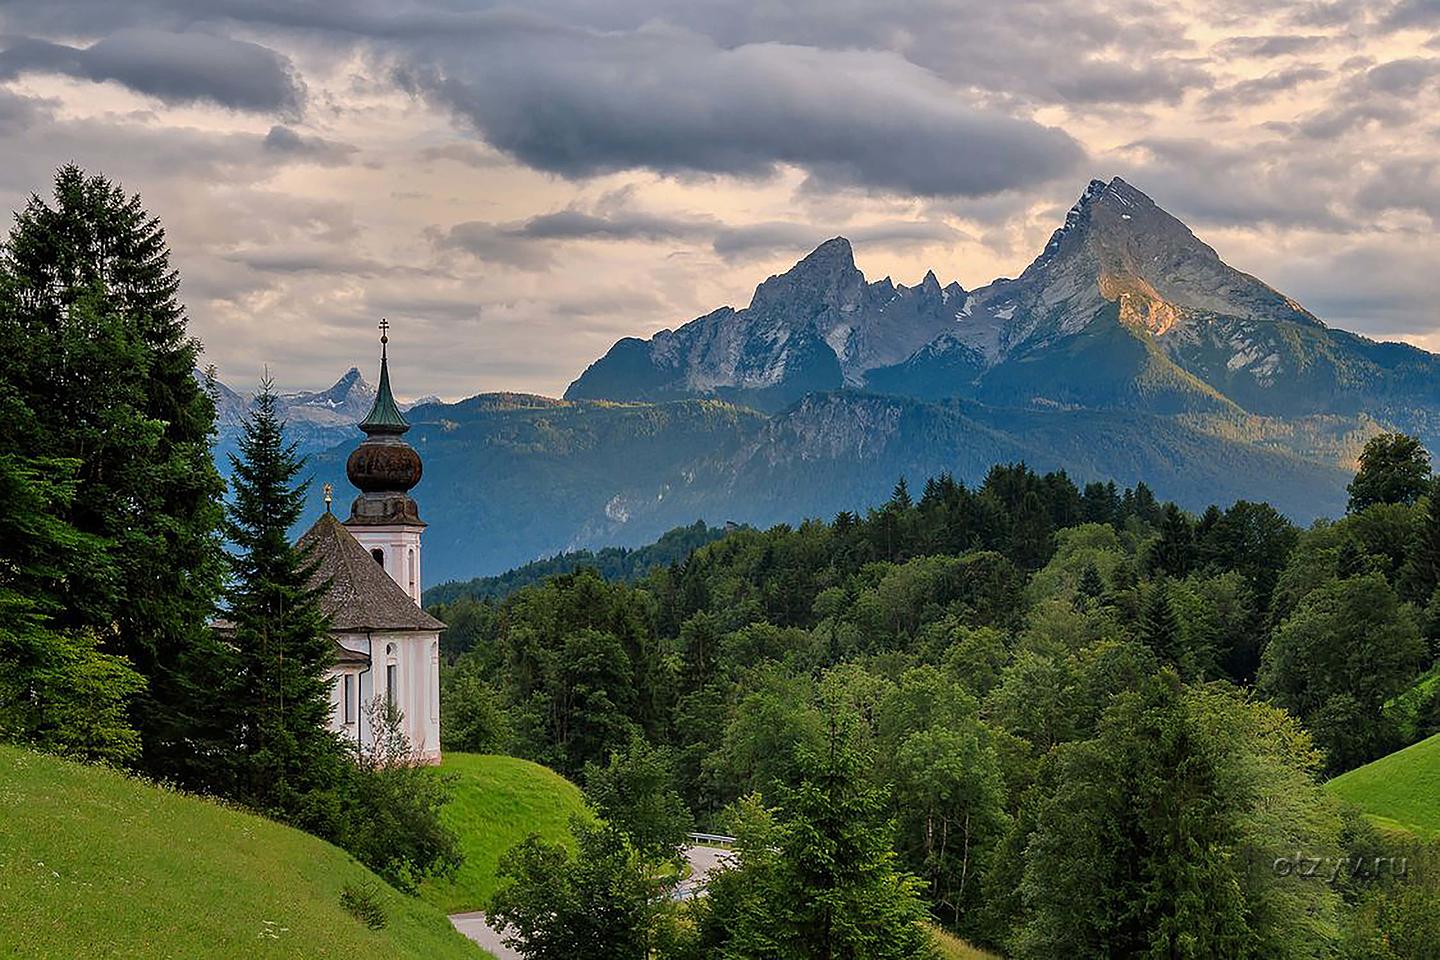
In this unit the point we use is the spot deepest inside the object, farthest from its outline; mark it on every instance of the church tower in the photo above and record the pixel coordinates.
(385, 468)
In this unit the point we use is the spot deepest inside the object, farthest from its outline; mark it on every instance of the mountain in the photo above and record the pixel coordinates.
(315, 420)
(510, 478)
(820, 326)
(1125, 308)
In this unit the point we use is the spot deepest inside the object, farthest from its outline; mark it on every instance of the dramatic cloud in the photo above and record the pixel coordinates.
(582, 103)
(174, 67)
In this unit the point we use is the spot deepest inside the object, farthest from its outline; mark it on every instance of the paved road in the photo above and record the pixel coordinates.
(473, 925)
(702, 860)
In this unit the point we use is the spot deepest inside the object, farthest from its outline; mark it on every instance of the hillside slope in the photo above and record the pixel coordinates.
(94, 864)
(1401, 790)
(498, 801)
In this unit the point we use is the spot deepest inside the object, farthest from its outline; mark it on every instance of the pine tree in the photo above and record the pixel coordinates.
(1159, 627)
(1172, 555)
(822, 882)
(1090, 587)
(281, 644)
(99, 369)
(1422, 571)
(900, 496)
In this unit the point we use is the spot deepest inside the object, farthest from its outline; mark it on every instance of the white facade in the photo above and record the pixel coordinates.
(404, 667)
(396, 547)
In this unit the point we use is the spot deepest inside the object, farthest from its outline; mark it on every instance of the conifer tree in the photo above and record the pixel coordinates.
(823, 882)
(1422, 571)
(1090, 587)
(98, 368)
(1159, 627)
(282, 646)
(1172, 555)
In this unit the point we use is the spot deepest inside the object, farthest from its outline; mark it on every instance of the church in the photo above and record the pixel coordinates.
(387, 647)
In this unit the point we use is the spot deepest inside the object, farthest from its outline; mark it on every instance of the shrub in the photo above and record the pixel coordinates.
(362, 901)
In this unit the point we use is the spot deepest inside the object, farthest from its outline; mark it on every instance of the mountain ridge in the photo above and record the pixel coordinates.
(1124, 306)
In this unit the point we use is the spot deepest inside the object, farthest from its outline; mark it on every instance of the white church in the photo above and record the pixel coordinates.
(387, 646)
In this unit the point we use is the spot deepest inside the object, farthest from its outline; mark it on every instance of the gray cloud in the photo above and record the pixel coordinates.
(1260, 89)
(173, 67)
(581, 103)
(1270, 45)
(527, 244)
(328, 153)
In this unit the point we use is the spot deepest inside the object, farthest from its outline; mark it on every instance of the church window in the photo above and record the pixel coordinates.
(435, 682)
(414, 576)
(349, 696)
(379, 556)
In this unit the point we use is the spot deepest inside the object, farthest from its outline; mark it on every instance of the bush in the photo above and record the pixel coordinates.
(391, 809)
(362, 901)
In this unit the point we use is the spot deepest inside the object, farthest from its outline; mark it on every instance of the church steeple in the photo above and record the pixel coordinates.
(384, 517)
(385, 416)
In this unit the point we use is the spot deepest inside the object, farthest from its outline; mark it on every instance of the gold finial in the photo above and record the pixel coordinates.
(329, 492)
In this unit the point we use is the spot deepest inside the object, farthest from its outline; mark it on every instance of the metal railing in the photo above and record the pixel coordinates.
(710, 838)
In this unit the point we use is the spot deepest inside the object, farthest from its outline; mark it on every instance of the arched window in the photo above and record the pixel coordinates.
(414, 574)
(392, 675)
(435, 682)
(379, 556)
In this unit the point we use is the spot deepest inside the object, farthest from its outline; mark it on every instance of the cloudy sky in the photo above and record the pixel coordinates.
(517, 186)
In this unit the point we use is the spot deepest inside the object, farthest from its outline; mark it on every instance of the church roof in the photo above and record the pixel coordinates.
(361, 595)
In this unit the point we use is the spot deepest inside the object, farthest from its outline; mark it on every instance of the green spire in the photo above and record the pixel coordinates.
(384, 417)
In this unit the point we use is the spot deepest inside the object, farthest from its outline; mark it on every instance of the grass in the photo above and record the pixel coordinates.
(953, 948)
(1399, 791)
(498, 801)
(95, 864)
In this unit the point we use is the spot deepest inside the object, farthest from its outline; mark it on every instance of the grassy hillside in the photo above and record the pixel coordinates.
(498, 801)
(1401, 790)
(94, 864)
(953, 948)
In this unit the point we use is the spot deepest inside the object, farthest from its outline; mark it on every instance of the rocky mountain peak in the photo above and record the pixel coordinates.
(827, 275)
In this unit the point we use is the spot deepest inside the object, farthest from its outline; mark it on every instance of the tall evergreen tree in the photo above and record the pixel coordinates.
(1172, 555)
(281, 642)
(98, 368)
(823, 882)
(1090, 588)
(1159, 627)
(1422, 569)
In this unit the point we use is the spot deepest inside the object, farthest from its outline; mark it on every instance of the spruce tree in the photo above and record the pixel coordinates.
(1173, 553)
(1159, 627)
(823, 882)
(1422, 571)
(1090, 588)
(98, 368)
(281, 642)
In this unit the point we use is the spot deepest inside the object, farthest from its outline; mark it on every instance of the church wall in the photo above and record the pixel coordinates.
(415, 658)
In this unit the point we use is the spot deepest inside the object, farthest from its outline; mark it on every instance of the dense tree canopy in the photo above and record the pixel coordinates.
(98, 369)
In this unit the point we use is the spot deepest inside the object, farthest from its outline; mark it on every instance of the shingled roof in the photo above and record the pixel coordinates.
(361, 595)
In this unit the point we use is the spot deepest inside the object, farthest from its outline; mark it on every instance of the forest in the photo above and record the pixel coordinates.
(1084, 721)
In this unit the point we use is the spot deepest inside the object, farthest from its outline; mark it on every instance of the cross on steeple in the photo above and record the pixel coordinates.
(384, 334)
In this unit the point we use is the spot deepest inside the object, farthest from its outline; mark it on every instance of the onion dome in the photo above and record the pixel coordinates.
(384, 463)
